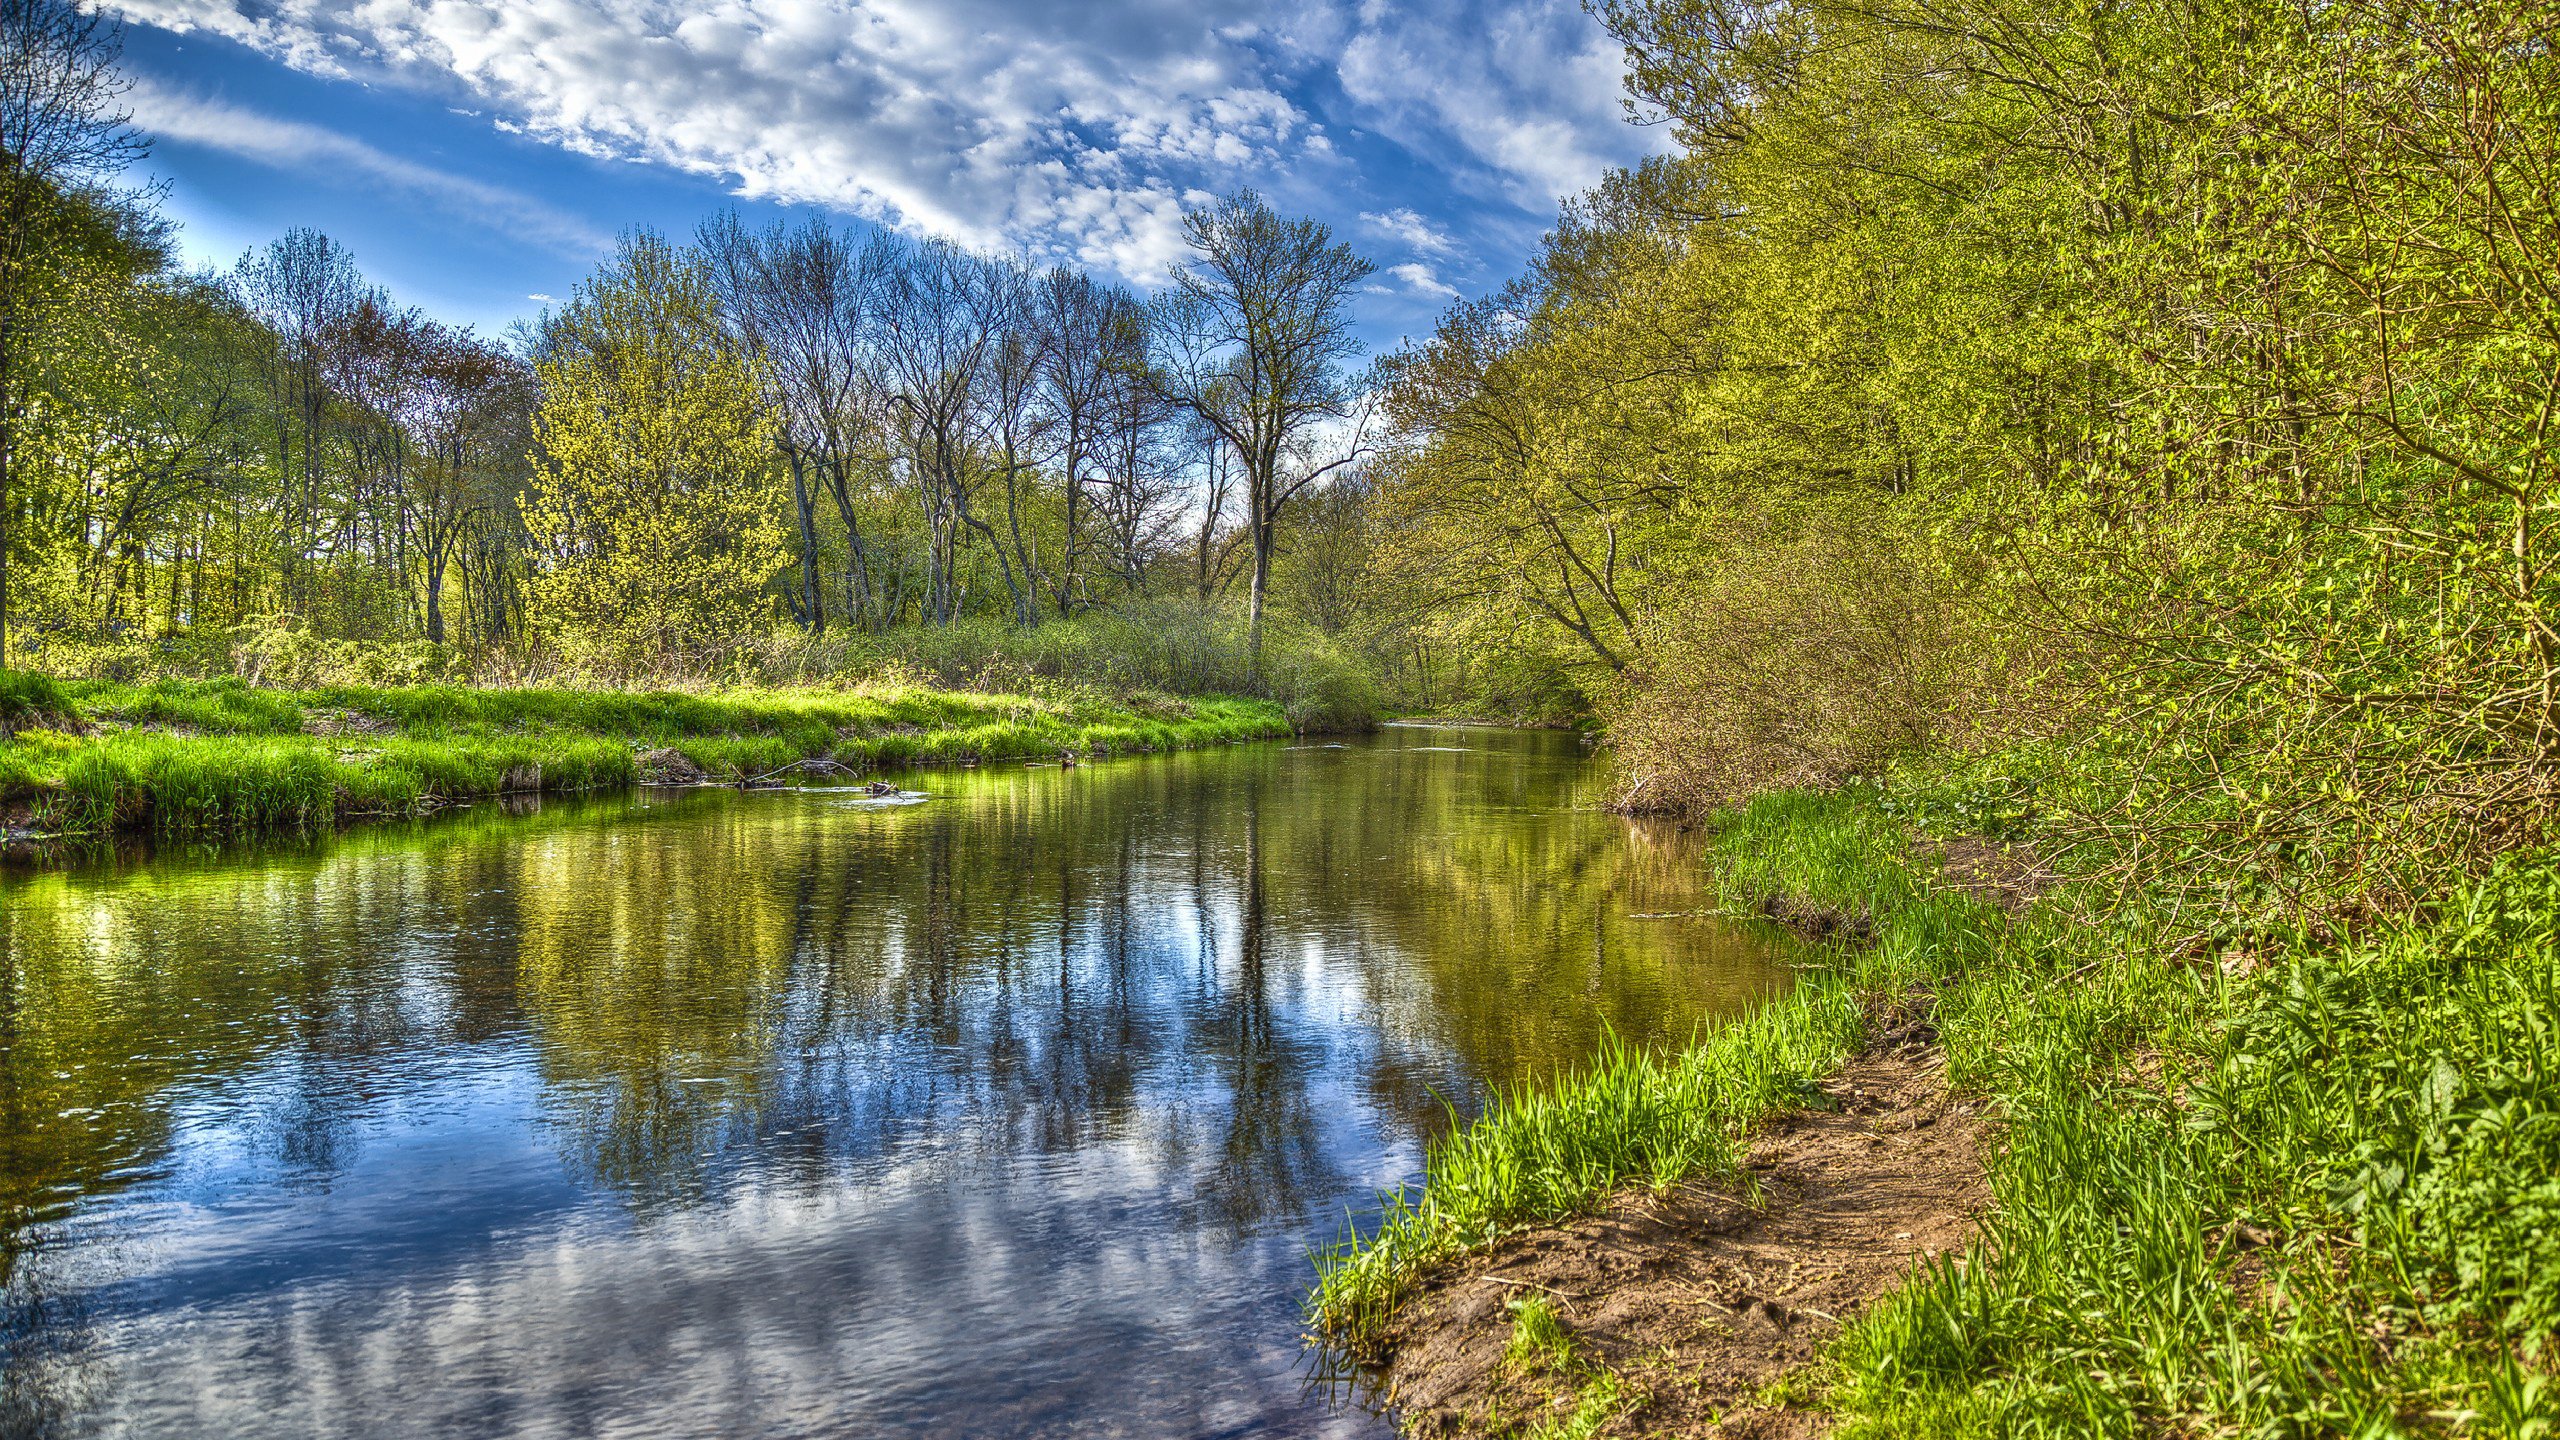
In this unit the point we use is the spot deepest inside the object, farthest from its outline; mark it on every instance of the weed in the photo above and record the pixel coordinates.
(1539, 1342)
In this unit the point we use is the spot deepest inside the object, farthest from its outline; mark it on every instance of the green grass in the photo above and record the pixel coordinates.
(1544, 1152)
(1540, 1345)
(2301, 1189)
(219, 757)
(1539, 1342)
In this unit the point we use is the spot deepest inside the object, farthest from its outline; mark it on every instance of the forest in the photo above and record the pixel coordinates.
(721, 450)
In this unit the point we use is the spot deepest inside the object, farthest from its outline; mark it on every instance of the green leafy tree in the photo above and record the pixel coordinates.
(653, 496)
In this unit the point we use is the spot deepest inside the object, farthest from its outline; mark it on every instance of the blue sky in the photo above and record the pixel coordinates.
(478, 156)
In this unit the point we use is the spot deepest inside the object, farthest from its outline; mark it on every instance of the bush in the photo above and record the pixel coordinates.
(281, 650)
(1805, 656)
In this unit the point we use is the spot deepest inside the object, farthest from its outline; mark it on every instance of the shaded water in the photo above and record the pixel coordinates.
(1011, 1113)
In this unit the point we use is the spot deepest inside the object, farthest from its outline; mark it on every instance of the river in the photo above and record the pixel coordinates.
(1012, 1111)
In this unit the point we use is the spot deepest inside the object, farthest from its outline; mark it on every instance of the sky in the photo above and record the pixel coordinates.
(479, 156)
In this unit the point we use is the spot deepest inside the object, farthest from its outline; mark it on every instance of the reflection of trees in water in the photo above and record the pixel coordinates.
(1151, 955)
(1271, 1162)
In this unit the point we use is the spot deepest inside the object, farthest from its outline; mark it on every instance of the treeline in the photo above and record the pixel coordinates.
(2159, 397)
(798, 429)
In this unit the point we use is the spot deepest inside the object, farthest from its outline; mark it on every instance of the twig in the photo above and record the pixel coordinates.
(1568, 1299)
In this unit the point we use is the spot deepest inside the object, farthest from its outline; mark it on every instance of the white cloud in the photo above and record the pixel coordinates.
(194, 119)
(1527, 92)
(1076, 131)
(1070, 129)
(1419, 278)
(1410, 229)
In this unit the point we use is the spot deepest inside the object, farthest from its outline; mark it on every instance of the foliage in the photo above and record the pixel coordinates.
(648, 495)
(1804, 657)
(2173, 382)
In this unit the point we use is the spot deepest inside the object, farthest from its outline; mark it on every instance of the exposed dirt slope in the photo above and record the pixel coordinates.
(1696, 1300)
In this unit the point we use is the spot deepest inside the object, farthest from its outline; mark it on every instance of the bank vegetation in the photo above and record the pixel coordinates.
(2123, 434)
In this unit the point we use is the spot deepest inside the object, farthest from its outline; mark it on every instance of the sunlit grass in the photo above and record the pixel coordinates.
(2283, 1188)
(220, 757)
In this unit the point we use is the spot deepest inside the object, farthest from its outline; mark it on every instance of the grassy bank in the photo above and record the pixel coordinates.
(2281, 1188)
(219, 757)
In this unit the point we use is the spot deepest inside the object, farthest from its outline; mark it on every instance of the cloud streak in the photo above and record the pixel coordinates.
(193, 119)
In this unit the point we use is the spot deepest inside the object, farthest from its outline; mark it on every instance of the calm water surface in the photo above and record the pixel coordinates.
(1010, 1113)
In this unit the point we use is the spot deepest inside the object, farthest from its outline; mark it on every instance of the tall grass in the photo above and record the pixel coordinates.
(222, 757)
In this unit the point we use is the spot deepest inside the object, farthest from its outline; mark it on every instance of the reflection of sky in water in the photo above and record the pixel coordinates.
(1014, 1113)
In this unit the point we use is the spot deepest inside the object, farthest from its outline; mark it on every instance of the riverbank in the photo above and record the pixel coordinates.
(223, 758)
(2268, 1186)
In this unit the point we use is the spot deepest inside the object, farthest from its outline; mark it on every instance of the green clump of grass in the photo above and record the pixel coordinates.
(26, 695)
(1599, 1400)
(1539, 1342)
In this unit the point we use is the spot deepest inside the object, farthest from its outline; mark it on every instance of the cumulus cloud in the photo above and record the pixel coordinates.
(194, 119)
(1528, 93)
(1077, 132)
(1420, 279)
(1410, 229)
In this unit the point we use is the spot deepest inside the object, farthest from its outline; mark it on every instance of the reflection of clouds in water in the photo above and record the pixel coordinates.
(702, 1322)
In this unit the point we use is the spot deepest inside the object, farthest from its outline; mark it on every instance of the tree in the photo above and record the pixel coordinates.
(61, 128)
(305, 290)
(1253, 337)
(651, 500)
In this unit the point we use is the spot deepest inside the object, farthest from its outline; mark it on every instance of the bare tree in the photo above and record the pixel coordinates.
(302, 288)
(62, 126)
(1137, 463)
(1252, 339)
(810, 301)
(939, 352)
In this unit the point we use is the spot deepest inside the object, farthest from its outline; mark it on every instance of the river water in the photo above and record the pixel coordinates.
(1011, 1112)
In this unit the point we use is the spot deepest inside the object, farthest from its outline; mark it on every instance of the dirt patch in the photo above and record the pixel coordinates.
(2010, 876)
(345, 722)
(1697, 1301)
(1817, 922)
(60, 722)
(666, 767)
